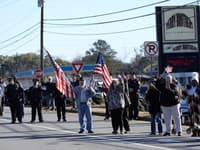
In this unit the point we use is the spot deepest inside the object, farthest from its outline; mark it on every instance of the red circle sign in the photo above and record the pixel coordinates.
(151, 48)
(38, 73)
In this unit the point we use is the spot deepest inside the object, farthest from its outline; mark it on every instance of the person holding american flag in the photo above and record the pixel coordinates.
(101, 70)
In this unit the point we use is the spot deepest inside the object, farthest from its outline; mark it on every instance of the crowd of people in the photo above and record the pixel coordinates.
(14, 96)
(167, 101)
(168, 97)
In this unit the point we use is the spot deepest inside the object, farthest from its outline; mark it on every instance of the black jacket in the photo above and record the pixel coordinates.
(59, 98)
(152, 97)
(35, 95)
(20, 94)
(11, 93)
(50, 88)
(169, 97)
(133, 86)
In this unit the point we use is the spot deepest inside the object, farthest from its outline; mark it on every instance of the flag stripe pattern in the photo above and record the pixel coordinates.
(62, 83)
(102, 70)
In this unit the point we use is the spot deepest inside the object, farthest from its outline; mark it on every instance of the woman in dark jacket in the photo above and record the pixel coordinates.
(152, 98)
(14, 95)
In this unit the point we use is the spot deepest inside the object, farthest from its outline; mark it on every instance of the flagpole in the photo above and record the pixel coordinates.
(151, 66)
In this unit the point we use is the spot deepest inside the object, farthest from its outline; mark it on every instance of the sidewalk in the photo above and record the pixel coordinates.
(99, 110)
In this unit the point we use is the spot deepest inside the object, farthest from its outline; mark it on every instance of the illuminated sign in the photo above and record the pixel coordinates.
(183, 62)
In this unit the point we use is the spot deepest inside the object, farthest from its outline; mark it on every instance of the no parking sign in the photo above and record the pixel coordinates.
(151, 48)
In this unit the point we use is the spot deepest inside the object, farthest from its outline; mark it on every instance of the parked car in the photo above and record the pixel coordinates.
(142, 103)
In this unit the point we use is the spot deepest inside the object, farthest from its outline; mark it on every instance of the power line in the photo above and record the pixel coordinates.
(14, 42)
(28, 29)
(106, 14)
(106, 33)
(107, 22)
(97, 34)
(25, 43)
(100, 23)
(90, 34)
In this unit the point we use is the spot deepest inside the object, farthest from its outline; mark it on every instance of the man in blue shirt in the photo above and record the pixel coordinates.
(84, 99)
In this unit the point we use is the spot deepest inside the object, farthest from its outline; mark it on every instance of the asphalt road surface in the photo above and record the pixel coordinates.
(53, 135)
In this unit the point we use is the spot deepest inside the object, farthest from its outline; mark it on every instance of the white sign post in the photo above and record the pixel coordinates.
(151, 50)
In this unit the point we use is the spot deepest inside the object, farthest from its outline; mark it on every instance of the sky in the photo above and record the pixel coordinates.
(18, 16)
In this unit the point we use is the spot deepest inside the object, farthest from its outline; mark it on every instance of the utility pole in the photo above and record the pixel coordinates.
(41, 36)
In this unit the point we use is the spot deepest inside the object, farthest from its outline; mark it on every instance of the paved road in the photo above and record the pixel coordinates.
(52, 135)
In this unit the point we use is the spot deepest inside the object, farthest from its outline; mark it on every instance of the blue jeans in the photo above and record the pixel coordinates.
(50, 101)
(85, 110)
(156, 118)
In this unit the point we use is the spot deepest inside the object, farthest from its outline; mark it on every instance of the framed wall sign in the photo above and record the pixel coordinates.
(179, 24)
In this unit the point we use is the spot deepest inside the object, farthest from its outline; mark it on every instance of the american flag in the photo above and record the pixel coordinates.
(102, 70)
(62, 83)
(168, 69)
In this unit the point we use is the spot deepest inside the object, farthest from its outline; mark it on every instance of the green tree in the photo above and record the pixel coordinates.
(140, 61)
(58, 61)
(109, 54)
(103, 47)
(24, 62)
